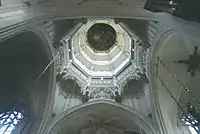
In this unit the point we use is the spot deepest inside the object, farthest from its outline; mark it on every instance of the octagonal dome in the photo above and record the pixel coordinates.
(101, 47)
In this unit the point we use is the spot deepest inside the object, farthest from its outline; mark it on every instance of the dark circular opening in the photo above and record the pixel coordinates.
(101, 37)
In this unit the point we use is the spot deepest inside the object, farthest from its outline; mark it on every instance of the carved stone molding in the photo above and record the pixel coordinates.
(103, 82)
(143, 55)
(130, 70)
(96, 93)
(59, 52)
(133, 75)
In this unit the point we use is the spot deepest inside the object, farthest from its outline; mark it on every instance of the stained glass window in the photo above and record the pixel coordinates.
(9, 121)
(192, 123)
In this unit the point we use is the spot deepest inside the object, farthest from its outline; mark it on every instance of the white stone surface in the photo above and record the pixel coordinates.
(104, 63)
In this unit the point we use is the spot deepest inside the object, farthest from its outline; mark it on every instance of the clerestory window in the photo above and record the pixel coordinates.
(9, 121)
(192, 123)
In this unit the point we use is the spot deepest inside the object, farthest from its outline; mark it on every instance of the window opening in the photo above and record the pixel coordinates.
(9, 121)
(192, 118)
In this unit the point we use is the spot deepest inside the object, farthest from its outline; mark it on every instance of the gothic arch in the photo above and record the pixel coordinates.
(61, 123)
(169, 46)
(33, 51)
(49, 100)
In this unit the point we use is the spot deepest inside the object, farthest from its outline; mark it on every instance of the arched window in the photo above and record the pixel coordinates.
(192, 123)
(9, 121)
(192, 118)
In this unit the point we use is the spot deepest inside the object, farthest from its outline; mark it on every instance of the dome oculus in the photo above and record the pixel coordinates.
(101, 37)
